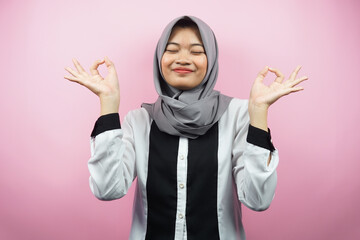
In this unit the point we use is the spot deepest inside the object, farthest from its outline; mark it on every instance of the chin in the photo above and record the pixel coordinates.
(182, 82)
(184, 86)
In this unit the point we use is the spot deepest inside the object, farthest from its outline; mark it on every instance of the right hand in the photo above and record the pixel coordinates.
(107, 89)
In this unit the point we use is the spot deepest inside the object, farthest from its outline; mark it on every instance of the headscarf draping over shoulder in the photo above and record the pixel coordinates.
(188, 113)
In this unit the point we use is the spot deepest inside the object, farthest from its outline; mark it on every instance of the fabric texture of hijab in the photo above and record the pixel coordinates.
(188, 113)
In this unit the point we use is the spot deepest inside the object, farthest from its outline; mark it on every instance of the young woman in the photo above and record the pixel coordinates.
(197, 154)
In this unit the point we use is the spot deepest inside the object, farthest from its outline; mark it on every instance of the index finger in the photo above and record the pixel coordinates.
(279, 75)
(93, 68)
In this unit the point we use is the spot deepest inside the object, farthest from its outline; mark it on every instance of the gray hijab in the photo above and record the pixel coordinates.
(188, 113)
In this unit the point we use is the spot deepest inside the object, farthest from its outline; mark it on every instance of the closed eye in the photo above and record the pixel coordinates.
(196, 52)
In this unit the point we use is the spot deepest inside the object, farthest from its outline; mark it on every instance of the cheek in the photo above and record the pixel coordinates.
(202, 64)
(165, 62)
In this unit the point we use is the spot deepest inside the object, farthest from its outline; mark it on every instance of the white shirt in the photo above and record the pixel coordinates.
(120, 155)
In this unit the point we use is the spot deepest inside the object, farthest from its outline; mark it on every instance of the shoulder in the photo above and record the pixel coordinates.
(237, 107)
(137, 124)
(138, 121)
(139, 115)
(236, 115)
(138, 112)
(235, 119)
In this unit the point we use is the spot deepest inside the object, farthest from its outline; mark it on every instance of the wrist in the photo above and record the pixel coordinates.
(258, 106)
(109, 105)
(258, 116)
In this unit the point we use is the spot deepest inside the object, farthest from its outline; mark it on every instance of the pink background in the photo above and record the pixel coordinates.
(47, 120)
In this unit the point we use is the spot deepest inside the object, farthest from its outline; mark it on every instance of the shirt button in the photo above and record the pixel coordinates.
(181, 216)
(181, 185)
(182, 157)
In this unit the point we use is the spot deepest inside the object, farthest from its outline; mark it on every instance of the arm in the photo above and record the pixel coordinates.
(258, 119)
(112, 161)
(255, 179)
(262, 96)
(255, 160)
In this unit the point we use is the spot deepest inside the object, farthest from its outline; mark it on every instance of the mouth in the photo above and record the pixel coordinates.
(183, 70)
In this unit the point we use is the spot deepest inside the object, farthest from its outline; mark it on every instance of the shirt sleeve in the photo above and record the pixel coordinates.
(106, 122)
(112, 161)
(255, 180)
(260, 138)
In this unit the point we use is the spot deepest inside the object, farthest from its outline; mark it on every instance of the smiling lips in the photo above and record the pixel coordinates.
(183, 70)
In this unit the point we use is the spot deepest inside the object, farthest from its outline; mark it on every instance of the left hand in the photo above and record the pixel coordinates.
(262, 96)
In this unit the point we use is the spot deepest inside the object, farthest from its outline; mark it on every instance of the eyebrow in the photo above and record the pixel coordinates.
(193, 44)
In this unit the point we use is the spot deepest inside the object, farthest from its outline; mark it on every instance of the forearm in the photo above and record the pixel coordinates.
(106, 167)
(112, 161)
(257, 182)
(258, 119)
(109, 105)
(258, 116)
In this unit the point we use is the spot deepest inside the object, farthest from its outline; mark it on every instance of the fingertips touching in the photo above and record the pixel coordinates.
(264, 71)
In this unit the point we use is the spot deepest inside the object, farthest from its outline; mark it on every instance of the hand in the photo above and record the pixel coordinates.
(106, 88)
(262, 96)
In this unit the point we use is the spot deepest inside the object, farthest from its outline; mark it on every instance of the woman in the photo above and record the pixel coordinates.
(197, 154)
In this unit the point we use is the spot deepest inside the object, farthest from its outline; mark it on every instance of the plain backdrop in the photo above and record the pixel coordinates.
(46, 120)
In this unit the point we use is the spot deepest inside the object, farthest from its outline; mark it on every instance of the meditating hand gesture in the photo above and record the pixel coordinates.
(262, 96)
(107, 89)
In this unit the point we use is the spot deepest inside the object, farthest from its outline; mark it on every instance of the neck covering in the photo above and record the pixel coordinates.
(188, 113)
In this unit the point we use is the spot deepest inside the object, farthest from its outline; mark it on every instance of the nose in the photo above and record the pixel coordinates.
(183, 58)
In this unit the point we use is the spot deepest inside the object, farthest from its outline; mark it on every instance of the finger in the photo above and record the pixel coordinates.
(299, 80)
(78, 66)
(93, 68)
(289, 90)
(295, 72)
(262, 74)
(279, 75)
(296, 89)
(73, 79)
(70, 70)
(110, 65)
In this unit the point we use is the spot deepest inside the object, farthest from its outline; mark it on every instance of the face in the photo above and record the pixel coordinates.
(184, 61)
